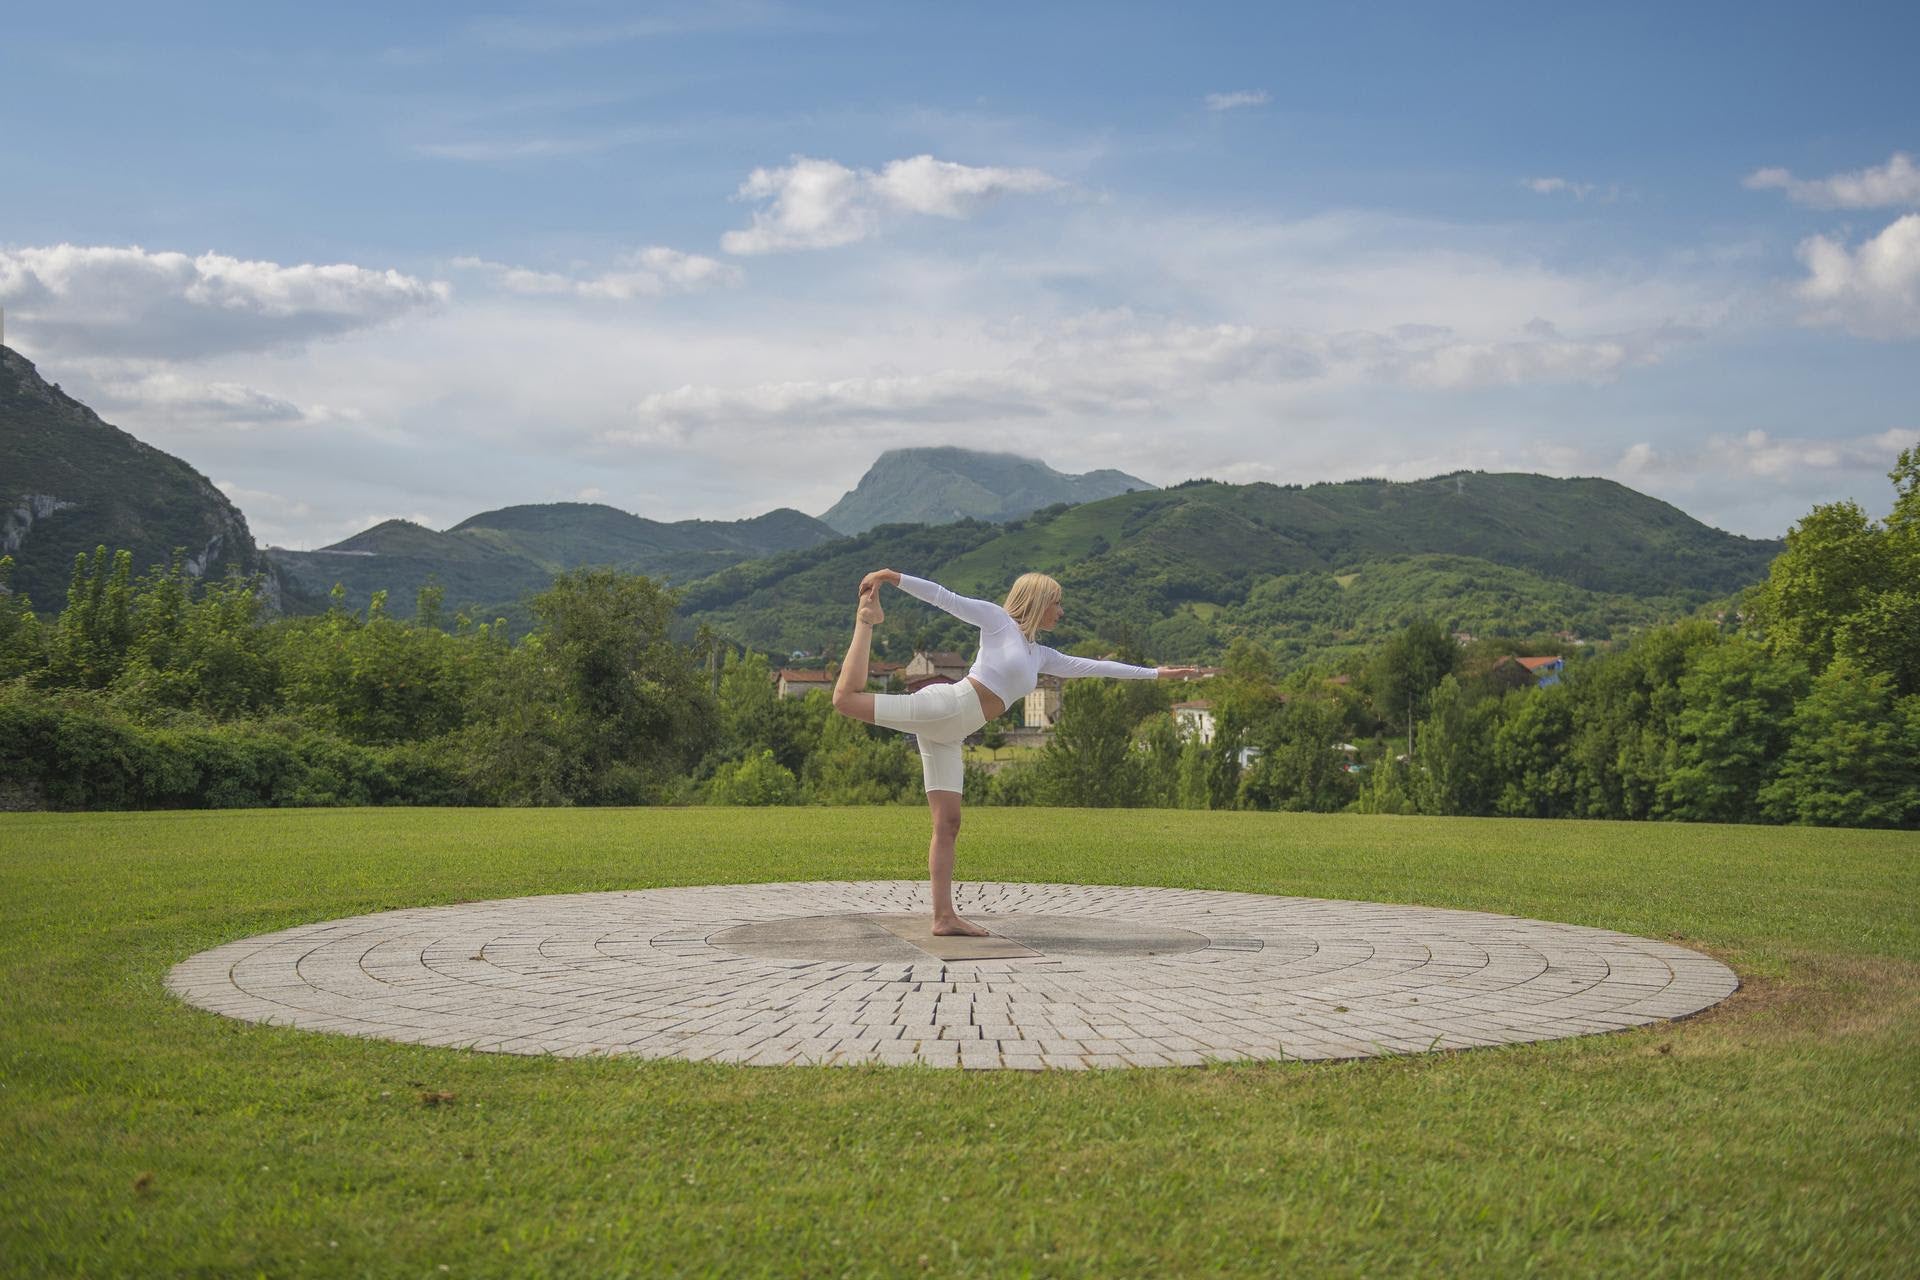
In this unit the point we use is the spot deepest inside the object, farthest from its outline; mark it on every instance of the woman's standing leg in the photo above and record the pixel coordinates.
(945, 808)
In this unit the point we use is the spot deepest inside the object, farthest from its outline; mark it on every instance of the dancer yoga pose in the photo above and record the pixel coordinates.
(939, 716)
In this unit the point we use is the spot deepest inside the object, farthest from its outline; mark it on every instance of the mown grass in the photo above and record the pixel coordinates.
(1775, 1134)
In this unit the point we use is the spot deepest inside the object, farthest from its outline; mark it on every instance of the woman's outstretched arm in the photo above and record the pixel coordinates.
(1055, 663)
(981, 613)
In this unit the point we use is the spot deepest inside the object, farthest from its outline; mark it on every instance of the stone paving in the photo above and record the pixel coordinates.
(1215, 976)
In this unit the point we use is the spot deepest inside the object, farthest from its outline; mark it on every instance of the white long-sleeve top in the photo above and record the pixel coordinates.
(1008, 663)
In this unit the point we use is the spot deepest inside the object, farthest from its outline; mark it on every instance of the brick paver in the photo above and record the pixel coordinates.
(636, 973)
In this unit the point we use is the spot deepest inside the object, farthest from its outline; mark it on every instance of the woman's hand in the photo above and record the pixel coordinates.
(1178, 673)
(873, 580)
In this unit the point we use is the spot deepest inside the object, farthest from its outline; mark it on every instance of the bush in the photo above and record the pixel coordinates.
(760, 780)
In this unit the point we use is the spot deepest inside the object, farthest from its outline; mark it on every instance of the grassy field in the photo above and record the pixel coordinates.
(1775, 1134)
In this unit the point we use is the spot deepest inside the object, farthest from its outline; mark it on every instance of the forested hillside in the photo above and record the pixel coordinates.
(1182, 572)
(70, 482)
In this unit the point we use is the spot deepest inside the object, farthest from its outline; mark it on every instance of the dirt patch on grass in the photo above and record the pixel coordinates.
(1820, 994)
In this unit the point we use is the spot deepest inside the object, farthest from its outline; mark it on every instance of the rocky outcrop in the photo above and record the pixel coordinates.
(19, 520)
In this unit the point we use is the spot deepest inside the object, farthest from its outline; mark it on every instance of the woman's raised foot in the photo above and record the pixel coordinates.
(870, 611)
(948, 926)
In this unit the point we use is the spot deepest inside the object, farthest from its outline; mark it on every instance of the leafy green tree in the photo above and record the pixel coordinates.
(1532, 760)
(1157, 749)
(1195, 791)
(1846, 587)
(1387, 788)
(634, 705)
(753, 717)
(1623, 709)
(1853, 759)
(1089, 761)
(854, 764)
(758, 780)
(378, 680)
(22, 648)
(1452, 767)
(1736, 703)
(1299, 768)
(95, 630)
(1411, 666)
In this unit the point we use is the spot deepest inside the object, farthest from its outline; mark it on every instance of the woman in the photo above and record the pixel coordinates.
(1008, 666)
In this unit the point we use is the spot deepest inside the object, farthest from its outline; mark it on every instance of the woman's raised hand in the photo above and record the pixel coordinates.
(873, 580)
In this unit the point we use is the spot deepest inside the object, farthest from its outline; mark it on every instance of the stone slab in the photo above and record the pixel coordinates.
(1119, 977)
(917, 930)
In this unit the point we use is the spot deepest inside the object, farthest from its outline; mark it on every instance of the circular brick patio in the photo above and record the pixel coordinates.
(838, 972)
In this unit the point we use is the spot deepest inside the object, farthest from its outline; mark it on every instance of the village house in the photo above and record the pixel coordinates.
(1042, 706)
(1195, 719)
(1541, 671)
(927, 668)
(798, 682)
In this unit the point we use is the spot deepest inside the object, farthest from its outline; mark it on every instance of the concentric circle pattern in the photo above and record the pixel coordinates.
(1251, 976)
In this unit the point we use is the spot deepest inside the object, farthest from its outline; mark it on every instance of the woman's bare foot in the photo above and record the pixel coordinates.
(870, 611)
(947, 926)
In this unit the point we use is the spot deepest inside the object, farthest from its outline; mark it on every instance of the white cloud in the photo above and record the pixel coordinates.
(166, 396)
(102, 300)
(821, 204)
(1116, 366)
(1239, 98)
(1578, 190)
(1897, 182)
(1553, 186)
(1872, 291)
(947, 190)
(1761, 455)
(644, 273)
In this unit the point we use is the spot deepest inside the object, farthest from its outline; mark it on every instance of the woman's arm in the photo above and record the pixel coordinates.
(981, 613)
(1055, 663)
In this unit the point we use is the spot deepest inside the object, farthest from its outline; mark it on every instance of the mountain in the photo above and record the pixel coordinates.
(937, 486)
(70, 482)
(495, 558)
(1184, 570)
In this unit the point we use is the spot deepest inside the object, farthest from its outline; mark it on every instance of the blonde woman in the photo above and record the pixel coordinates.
(1008, 666)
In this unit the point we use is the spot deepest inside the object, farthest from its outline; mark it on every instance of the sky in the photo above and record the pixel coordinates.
(356, 262)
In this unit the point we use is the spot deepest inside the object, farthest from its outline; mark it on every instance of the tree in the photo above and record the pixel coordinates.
(1537, 776)
(1408, 670)
(1299, 768)
(1853, 759)
(1089, 761)
(95, 630)
(599, 702)
(1157, 751)
(1846, 587)
(21, 643)
(853, 765)
(759, 780)
(1452, 769)
(1736, 702)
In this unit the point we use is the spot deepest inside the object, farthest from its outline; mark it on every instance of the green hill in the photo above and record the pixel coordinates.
(490, 561)
(70, 481)
(941, 485)
(1181, 572)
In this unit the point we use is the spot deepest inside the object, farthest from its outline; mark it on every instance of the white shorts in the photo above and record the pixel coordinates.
(938, 717)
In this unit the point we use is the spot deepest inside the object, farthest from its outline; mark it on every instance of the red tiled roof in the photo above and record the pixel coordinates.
(1534, 664)
(797, 675)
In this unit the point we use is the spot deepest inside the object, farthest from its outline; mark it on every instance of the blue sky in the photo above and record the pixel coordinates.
(364, 261)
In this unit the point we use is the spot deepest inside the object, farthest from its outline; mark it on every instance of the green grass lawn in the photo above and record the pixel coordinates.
(1775, 1134)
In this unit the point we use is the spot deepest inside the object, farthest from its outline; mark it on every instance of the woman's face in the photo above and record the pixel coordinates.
(1051, 618)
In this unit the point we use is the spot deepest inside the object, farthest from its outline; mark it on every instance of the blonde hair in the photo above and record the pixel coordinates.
(1028, 601)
